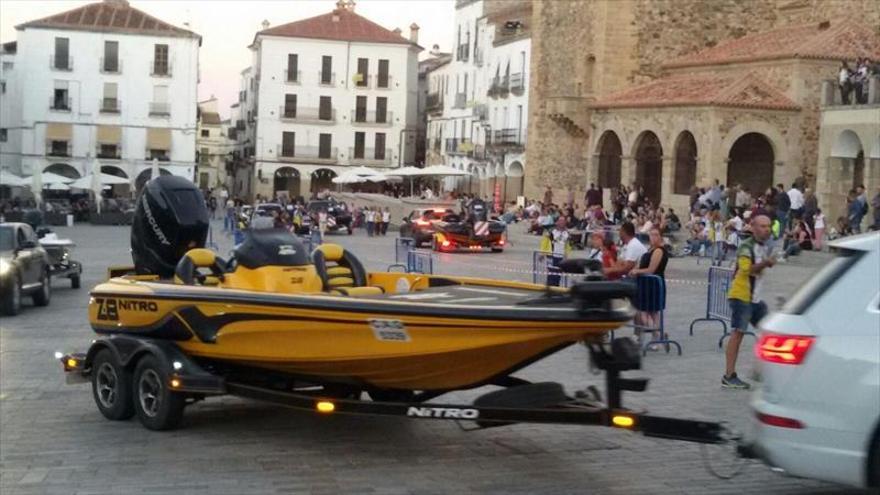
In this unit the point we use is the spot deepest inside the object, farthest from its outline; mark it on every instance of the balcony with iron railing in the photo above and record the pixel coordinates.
(292, 76)
(109, 152)
(434, 102)
(459, 146)
(370, 156)
(499, 87)
(506, 138)
(160, 108)
(307, 114)
(61, 63)
(111, 66)
(372, 118)
(831, 95)
(58, 148)
(160, 69)
(460, 101)
(362, 81)
(517, 83)
(326, 79)
(109, 105)
(60, 104)
(383, 81)
(308, 154)
(160, 155)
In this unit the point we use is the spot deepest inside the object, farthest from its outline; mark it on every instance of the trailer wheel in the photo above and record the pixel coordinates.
(157, 407)
(111, 387)
(75, 281)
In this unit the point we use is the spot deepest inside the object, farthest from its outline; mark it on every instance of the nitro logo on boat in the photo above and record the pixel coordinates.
(389, 330)
(442, 412)
(108, 309)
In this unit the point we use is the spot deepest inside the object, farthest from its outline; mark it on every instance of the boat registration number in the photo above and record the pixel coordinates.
(389, 330)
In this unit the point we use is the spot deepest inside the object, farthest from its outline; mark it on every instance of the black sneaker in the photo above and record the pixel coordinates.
(733, 381)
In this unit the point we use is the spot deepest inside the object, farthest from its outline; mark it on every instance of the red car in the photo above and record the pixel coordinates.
(419, 225)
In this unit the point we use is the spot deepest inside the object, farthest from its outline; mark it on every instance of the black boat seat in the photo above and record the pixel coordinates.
(187, 270)
(341, 272)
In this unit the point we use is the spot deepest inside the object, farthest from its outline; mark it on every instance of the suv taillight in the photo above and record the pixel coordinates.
(783, 349)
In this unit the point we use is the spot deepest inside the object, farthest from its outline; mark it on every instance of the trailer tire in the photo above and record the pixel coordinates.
(157, 407)
(111, 386)
(75, 281)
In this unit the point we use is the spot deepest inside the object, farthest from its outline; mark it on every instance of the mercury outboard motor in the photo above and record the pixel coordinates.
(170, 219)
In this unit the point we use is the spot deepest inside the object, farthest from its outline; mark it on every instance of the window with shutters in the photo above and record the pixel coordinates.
(110, 62)
(61, 60)
(383, 79)
(110, 103)
(292, 67)
(290, 106)
(160, 60)
(380, 146)
(360, 112)
(326, 69)
(359, 141)
(325, 142)
(288, 143)
(325, 110)
(363, 73)
(381, 110)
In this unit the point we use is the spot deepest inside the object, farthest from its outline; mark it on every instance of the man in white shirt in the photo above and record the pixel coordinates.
(559, 238)
(743, 198)
(797, 201)
(630, 254)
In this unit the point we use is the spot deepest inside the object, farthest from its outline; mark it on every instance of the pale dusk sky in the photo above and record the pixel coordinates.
(227, 27)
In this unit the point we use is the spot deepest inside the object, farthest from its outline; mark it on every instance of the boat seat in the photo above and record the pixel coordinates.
(341, 272)
(187, 270)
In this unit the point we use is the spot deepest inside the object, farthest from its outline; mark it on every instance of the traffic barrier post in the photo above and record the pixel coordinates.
(402, 246)
(419, 262)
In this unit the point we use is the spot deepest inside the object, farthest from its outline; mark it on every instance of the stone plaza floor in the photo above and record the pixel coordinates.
(53, 440)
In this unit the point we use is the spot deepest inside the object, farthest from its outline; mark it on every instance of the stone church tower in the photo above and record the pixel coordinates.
(583, 50)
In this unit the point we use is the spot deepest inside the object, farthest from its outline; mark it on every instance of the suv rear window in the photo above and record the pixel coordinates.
(821, 281)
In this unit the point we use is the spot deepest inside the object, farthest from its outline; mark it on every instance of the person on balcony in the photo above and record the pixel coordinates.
(843, 82)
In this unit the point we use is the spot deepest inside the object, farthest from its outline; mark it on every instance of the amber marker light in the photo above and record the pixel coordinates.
(622, 421)
(71, 363)
(175, 383)
(325, 406)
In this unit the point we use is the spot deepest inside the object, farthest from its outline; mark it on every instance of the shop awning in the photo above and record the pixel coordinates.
(109, 134)
(59, 132)
(158, 139)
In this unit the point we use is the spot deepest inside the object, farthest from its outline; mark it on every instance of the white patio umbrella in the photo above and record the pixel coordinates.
(95, 177)
(154, 169)
(85, 182)
(57, 186)
(10, 179)
(443, 171)
(348, 178)
(410, 172)
(37, 188)
(362, 171)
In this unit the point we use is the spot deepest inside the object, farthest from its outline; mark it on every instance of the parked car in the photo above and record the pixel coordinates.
(817, 412)
(419, 225)
(24, 268)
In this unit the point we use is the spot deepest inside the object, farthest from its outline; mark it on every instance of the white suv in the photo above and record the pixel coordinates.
(817, 413)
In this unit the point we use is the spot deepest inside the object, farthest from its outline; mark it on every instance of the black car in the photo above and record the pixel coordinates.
(419, 225)
(24, 268)
(338, 214)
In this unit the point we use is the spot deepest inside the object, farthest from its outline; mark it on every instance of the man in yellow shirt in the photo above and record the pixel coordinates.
(744, 296)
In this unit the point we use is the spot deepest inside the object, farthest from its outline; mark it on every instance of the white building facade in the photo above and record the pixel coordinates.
(478, 102)
(329, 93)
(107, 82)
(214, 148)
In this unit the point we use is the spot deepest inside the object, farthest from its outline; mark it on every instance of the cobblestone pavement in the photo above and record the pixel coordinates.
(53, 440)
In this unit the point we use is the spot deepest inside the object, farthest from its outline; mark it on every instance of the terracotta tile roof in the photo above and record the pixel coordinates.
(834, 40)
(109, 16)
(210, 118)
(689, 90)
(340, 24)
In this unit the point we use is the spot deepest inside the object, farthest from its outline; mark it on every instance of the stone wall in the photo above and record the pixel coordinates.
(582, 50)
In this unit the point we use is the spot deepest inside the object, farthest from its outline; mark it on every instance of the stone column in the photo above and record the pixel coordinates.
(667, 178)
(627, 170)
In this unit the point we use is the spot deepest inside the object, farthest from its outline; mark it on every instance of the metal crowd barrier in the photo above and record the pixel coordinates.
(411, 260)
(717, 306)
(651, 298)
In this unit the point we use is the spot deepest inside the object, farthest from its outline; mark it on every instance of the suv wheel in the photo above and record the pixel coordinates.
(44, 293)
(11, 302)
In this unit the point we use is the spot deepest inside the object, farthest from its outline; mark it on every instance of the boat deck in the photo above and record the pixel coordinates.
(470, 295)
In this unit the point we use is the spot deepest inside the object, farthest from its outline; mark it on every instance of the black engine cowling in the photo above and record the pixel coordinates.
(170, 219)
